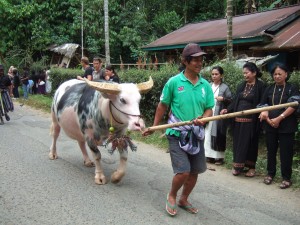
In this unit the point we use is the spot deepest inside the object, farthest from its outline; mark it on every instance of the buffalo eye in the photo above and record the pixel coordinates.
(122, 100)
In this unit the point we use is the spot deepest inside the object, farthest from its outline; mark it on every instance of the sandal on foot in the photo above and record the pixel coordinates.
(268, 180)
(285, 184)
(189, 208)
(250, 173)
(219, 162)
(170, 206)
(210, 160)
(235, 172)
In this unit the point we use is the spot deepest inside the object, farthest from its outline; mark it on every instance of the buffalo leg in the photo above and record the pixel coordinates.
(86, 159)
(54, 130)
(99, 175)
(120, 172)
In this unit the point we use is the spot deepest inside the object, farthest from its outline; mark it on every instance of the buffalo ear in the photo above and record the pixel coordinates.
(111, 97)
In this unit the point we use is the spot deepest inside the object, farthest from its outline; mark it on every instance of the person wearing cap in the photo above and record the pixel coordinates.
(6, 103)
(188, 96)
(280, 125)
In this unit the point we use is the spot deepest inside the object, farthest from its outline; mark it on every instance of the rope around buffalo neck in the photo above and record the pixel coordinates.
(112, 115)
(128, 114)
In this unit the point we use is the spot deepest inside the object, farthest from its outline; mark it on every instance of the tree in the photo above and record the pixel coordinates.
(229, 31)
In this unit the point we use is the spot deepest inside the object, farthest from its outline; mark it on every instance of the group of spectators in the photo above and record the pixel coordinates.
(30, 84)
(96, 73)
(187, 96)
(279, 125)
(9, 87)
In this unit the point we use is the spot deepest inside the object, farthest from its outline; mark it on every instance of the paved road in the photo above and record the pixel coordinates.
(36, 190)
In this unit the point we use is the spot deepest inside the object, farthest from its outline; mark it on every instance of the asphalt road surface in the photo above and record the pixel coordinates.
(36, 190)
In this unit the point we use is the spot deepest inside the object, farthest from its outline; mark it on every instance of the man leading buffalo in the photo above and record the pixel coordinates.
(188, 96)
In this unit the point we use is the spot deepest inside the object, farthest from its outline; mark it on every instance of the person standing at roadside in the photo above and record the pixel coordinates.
(98, 72)
(88, 71)
(25, 83)
(280, 125)
(215, 131)
(11, 77)
(6, 103)
(16, 83)
(189, 96)
(110, 74)
(246, 129)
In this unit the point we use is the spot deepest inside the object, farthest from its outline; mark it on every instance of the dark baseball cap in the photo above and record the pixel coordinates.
(193, 50)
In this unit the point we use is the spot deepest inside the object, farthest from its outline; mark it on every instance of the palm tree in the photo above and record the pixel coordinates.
(106, 31)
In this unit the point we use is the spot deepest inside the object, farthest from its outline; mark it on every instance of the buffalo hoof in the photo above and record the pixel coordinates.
(100, 179)
(52, 156)
(89, 163)
(117, 176)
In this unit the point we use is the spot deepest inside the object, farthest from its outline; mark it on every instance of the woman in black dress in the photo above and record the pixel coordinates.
(246, 129)
(280, 125)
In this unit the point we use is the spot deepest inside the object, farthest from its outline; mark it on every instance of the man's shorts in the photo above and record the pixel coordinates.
(182, 162)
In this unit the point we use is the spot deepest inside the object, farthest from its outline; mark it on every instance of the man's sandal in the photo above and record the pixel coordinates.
(285, 184)
(189, 208)
(268, 180)
(170, 206)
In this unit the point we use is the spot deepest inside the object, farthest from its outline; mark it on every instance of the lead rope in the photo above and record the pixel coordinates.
(111, 128)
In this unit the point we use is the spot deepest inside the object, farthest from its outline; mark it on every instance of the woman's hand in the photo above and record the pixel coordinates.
(219, 98)
(274, 122)
(223, 111)
(264, 116)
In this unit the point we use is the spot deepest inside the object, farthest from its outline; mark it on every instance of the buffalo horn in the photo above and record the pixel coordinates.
(145, 86)
(109, 88)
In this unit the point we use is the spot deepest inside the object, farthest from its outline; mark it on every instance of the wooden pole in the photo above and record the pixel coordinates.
(224, 116)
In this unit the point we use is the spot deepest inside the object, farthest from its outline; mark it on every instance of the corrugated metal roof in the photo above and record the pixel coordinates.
(245, 28)
(288, 38)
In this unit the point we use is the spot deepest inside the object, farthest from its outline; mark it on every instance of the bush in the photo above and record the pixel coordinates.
(150, 100)
(60, 75)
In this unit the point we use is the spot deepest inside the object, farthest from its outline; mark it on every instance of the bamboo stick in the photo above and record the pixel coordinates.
(224, 116)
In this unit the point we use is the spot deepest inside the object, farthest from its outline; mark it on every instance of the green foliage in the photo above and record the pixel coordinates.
(60, 75)
(33, 25)
(151, 99)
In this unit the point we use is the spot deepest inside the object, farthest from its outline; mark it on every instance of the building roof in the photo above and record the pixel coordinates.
(287, 38)
(67, 49)
(255, 27)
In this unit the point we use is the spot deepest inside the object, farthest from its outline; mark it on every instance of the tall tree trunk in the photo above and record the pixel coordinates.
(229, 31)
(82, 28)
(106, 31)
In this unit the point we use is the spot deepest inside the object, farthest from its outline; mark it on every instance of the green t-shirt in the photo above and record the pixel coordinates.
(186, 100)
